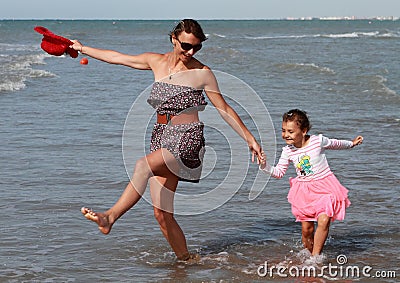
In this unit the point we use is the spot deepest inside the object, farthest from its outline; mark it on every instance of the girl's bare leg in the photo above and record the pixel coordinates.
(307, 234)
(321, 233)
(154, 163)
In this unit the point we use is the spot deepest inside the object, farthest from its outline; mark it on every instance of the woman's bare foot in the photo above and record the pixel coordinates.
(100, 218)
(190, 258)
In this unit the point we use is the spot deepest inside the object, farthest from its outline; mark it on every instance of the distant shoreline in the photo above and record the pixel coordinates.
(350, 18)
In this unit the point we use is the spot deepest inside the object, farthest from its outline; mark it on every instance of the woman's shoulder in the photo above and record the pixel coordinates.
(156, 57)
(157, 61)
(196, 64)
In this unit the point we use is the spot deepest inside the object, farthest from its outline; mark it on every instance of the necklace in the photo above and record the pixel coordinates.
(170, 74)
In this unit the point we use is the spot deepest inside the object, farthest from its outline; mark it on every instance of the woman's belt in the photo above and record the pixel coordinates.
(164, 118)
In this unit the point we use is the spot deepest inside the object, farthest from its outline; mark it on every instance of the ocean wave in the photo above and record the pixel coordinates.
(385, 34)
(307, 67)
(219, 35)
(341, 35)
(372, 34)
(16, 69)
(378, 86)
(41, 74)
(282, 36)
(7, 47)
(12, 86)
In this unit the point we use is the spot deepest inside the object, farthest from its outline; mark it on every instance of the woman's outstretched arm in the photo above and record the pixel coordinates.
(142, 61)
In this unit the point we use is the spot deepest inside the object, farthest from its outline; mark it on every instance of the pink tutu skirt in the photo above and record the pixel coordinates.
(309, 199)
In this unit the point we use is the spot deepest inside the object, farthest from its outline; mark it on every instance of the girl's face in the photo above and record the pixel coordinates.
(292, 134)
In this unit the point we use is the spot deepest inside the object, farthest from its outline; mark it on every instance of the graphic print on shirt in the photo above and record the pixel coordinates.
(304, 165)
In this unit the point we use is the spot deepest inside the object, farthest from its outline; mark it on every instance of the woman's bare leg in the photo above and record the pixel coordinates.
(154, 163)
(105, 220)
(162, 194)
(321, 233)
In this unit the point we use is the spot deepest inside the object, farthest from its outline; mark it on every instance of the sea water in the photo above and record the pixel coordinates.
(62, 126)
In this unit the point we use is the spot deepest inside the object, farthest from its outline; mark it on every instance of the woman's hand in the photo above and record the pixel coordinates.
(77, 45)
(256, 150)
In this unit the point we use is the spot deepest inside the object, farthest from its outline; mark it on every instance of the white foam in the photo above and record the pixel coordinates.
(12, 86)
(354, 34)
(41, 74)
(307, 66)
(382, 88)
(16, 69)
(342, 35)
(283, 36)
(219, 35)
(315, 260)
(221, 257)
(316, 67)
(304, 254)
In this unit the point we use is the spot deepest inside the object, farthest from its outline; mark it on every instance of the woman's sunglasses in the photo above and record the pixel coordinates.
(187, 46)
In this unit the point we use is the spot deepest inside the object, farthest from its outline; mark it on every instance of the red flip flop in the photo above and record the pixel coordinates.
(55, 44)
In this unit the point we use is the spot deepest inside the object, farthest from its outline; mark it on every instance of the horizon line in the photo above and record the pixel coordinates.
(209, 19)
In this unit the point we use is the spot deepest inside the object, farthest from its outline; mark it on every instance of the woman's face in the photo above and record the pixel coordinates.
(186, 45)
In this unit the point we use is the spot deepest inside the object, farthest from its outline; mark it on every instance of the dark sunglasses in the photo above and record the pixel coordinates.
(187, 46)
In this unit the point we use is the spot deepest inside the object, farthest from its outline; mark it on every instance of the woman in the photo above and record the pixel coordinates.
(177, 143)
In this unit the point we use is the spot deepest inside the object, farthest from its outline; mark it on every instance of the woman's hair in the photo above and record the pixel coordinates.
(299, 116)
(188, 26)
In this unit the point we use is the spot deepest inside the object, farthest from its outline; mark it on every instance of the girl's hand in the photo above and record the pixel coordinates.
(358, 140)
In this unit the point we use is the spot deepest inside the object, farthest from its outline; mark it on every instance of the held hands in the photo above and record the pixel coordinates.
(256, 150)
(357, 141)
(263, 160)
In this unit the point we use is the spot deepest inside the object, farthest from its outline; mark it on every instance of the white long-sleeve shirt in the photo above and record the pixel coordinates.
(310, 161)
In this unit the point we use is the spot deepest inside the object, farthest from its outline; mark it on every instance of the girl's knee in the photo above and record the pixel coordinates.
(307, 229)
(324, 221)
(307, 233)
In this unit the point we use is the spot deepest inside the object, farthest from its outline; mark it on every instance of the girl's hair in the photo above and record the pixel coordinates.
(188, 26)
(299, 116)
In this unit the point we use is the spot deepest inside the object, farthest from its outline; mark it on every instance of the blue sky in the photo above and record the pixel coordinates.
(200, 9)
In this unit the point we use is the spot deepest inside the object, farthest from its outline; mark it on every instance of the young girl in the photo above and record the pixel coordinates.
(315, 194)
